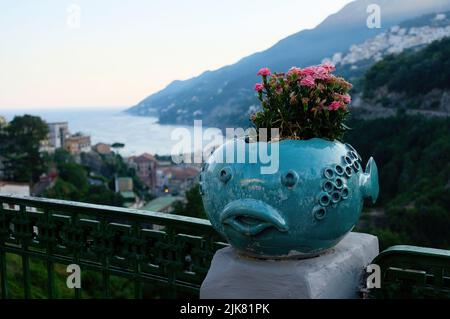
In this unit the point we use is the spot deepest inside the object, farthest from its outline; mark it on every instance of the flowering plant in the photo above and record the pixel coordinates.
(303, 103)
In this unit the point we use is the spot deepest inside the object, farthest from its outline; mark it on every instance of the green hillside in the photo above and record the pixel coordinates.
(412, 72)
(413, 157)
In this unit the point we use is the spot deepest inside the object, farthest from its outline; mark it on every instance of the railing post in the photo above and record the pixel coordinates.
(4, 225)
(104, 260)
(25, 233)
(76, 247)
(50, 264)
(137, 278)
(50, 279)
(3, 273)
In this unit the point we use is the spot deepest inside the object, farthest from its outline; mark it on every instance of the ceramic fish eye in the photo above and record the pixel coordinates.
(290, 178)
(225, 174)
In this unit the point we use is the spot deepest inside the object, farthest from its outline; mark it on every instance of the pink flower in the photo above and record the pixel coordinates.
(279, 90)
(335, 105)
(329, 66)
(321, 73)
(263, 72)
(308, 81)
(346, 98)
(310, 70)
(259, 87)
(295, 70)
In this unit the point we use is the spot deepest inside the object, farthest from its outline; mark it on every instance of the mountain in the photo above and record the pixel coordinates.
(225, 97)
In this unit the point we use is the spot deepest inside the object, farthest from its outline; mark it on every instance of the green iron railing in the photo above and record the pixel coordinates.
(413, 272)
(137, 254)
(148, 254)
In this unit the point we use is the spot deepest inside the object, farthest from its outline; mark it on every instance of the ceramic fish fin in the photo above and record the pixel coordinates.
(369, 181)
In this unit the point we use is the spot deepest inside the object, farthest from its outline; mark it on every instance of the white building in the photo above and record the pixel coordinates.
(10, 188)
(394, 41)
(58, 132)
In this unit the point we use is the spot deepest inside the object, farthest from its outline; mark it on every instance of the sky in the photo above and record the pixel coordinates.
(113, 53)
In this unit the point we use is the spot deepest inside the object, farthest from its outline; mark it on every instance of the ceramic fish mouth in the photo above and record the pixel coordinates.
(250, 217)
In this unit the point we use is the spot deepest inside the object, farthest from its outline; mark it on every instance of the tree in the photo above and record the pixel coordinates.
(76, 175)
(62, 156)
(99, 194)
(117, 146)
(63, 190)
(194, 206)
(21, 143)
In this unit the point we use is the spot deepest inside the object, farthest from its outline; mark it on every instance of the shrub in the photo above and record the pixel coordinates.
(303, 103)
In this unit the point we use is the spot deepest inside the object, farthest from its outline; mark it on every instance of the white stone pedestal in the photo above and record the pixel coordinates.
(335, 274)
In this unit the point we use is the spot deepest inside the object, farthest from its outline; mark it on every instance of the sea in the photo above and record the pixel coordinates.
(139, 134)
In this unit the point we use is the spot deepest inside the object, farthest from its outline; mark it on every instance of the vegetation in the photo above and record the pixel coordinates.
(412, 72)
(303, 103)
(73, 183)
(20, 145)
(92, 284)
(194, 205)
(413, 157)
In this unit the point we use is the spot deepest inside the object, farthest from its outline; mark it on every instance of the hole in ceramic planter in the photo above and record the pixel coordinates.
(328, 173)
(338, 183)
(335, 197)
(356, 166)
(319, 213)
(225, 174)
(339, 169)
(324, 199)
(354, 155)
(348, 171)
(345, 192)
(348, 160)
(328, 186)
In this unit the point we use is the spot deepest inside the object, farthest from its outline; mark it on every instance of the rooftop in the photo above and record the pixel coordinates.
(4, 183)
(142, 158)
(161, 203)
(181, 173)
(128, 195)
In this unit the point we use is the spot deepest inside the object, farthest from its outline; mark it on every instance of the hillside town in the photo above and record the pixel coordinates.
(163, 183)
(396, 40)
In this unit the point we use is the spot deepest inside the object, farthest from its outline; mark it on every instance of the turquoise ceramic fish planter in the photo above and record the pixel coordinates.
(313, 200)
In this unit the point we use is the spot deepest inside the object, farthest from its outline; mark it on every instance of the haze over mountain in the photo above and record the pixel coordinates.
(225, 97)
